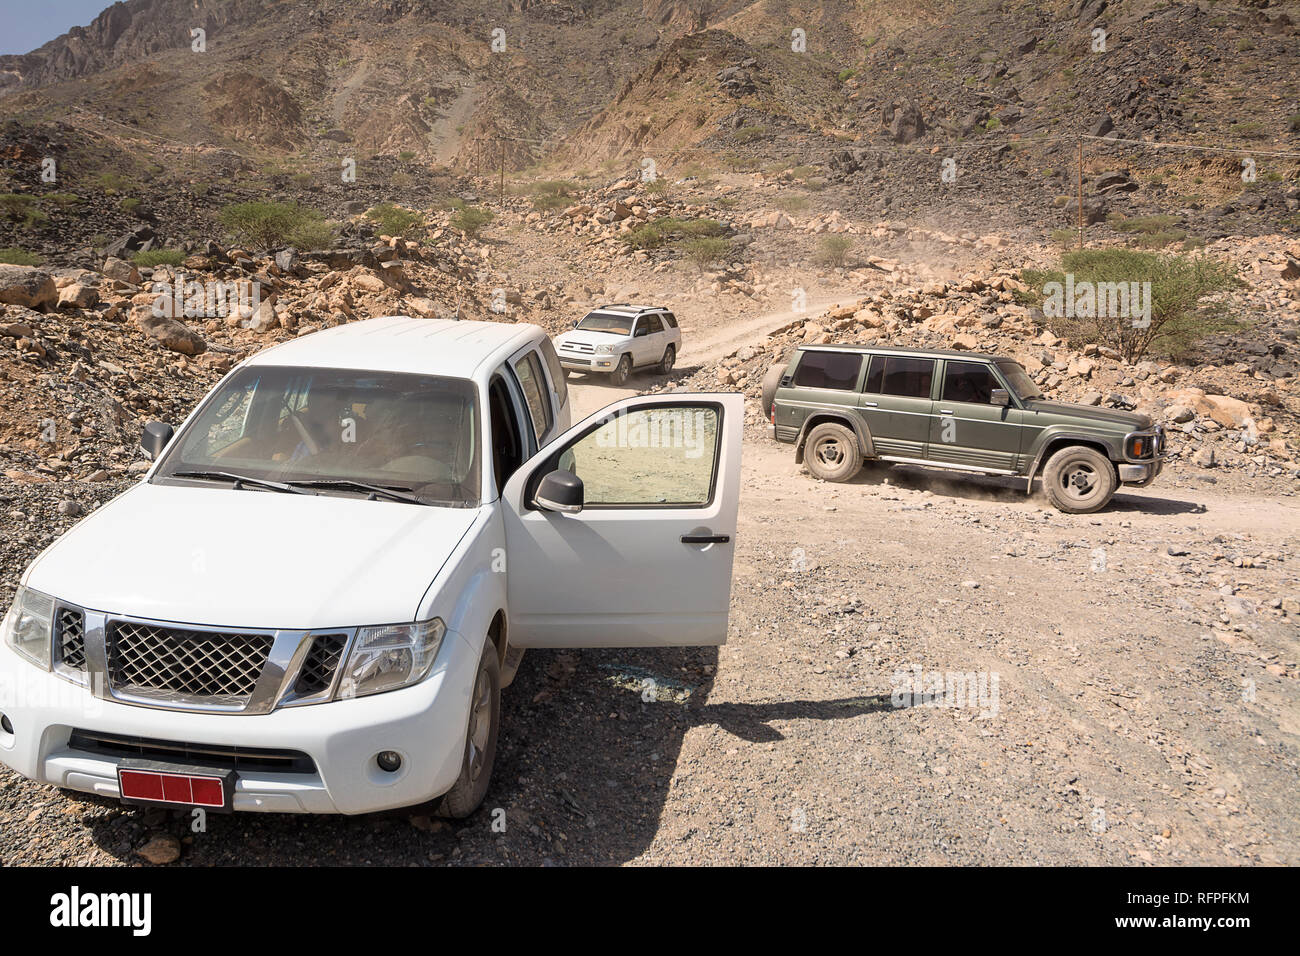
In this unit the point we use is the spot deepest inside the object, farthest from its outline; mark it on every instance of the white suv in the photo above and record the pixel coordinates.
(615, 339)
(312, 599)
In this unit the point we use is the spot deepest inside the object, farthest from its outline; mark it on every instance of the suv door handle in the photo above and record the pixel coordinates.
(945, 411)
(705, 538)
(871, 404)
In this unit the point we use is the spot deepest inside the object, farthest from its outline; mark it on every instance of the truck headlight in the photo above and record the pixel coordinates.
(28, 626)
(604, 350)
(391, 656)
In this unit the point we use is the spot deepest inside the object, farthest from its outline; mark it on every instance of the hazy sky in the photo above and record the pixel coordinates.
(27, 24)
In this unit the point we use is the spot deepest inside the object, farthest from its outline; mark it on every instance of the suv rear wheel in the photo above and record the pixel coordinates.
(667, 362)
(831, 452)
(1079, 480)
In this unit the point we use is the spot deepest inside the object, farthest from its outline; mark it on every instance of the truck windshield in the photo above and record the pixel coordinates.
(335, 431)
(604, 322)
(1019, 379)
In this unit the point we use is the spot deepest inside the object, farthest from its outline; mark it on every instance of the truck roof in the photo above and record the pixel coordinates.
(399, 343)
(899, 350)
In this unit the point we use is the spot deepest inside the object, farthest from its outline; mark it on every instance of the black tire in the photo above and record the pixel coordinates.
(467, 794)
(666, 363)
(622, 370)
(1079, 480)
(771, 382)
(831, 452)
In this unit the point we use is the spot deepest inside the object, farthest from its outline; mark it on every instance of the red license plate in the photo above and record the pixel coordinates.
(153, 783)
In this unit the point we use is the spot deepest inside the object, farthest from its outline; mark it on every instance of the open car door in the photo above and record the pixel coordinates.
(621, 531)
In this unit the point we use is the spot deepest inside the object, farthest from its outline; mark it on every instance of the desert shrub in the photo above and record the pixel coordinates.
(834, 250)
(394, 220)
(1149, 232)
(112, 183)
(704, 251)
(12, 256)
(406, 155)
(130, 204)
(63, 200)
(471, 219)
(747, 134)
(795, 202)
(268, 225)
(1185, 300)
(22, 208)
(158, 257)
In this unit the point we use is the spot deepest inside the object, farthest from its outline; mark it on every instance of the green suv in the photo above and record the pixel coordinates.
(841, 405)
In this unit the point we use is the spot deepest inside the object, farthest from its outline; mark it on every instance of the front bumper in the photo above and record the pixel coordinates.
(587, 362)
(1140, 474)
(425, 723)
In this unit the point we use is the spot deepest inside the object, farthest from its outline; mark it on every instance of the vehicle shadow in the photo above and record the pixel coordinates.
(589, 747)
(1002, 488)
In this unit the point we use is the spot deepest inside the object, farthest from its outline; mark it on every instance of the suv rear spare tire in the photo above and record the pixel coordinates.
(831, 452)
(771, 382)
(1079, 480)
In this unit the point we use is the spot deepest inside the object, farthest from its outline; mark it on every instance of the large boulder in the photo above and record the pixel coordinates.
(907, 124)
(169, 333)
(27, 286)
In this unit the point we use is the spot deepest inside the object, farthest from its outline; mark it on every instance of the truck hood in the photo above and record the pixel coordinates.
(217, 556)
(590, 337)
(1131, 421)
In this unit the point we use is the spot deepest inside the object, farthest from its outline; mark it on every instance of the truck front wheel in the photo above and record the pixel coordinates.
(1079, 480)
(471, 786)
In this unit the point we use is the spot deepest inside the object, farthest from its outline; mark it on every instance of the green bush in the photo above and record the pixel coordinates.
(835, 250)
(130, 204)
(63, 200)
(471, 219)
(652, 235)
(19, 257)
(747, 134)
(268, 225)
(112, 183)
(1184, 300)
(158, 257)
(395, 220)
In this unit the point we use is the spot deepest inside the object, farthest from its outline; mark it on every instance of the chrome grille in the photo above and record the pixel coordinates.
(72, 637)
(580, 347)
(203, 665)
(317, 672)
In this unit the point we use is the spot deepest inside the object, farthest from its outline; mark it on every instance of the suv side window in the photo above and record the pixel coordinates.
(529, 372)
(838, 370)
(670, 320)
(968, 382)
(649, 325)
(907, 377)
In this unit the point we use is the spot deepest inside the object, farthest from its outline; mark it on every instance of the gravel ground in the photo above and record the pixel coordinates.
(1126, 646)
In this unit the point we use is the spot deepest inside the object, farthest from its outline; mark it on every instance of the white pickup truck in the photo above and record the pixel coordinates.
(312, 599)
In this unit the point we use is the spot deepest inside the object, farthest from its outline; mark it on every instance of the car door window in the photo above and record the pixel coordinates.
(968, 382)
(838, 370)
(670, 321)
(558, 384)
(648, 456)
(529, 372)
(907, 377)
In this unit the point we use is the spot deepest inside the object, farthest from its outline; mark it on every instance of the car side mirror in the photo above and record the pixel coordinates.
(1001, 397)
(560, 491)
(154, 439)
(575, 323)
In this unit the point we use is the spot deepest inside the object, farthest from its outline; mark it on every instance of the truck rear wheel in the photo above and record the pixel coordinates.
(831, 452)
(1079, 480)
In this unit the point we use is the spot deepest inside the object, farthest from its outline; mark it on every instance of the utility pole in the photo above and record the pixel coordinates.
(1080, 192)
(501, 192)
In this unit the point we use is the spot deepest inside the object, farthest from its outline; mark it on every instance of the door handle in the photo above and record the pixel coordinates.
(705, 538)
(945, 411)
(870, 404)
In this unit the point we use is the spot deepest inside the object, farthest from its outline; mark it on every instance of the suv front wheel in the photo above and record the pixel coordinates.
(622, 370)
(1079, 480)
(832, 453)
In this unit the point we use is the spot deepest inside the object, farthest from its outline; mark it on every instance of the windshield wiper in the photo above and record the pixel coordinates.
(239, 480)
(396, 492)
